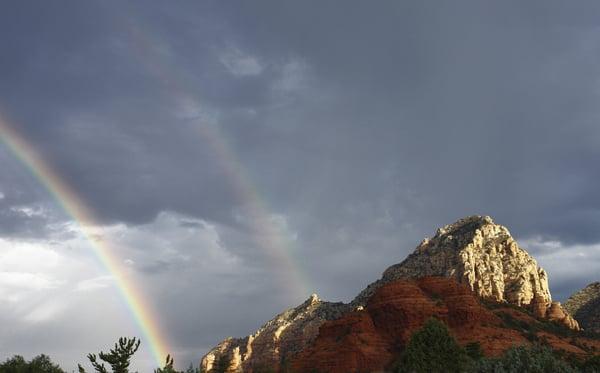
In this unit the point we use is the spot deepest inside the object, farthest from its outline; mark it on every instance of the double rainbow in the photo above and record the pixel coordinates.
(273, 238)
(269, 236)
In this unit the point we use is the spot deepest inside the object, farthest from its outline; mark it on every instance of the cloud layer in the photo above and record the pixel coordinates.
(202, 133)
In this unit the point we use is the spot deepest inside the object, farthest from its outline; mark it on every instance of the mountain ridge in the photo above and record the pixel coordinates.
(474, 252)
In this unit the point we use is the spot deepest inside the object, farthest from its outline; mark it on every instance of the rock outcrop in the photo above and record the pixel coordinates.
(483, 255)
(584, 305)
(277, 340)
(371, 339)
(367, 340)
(476, 255)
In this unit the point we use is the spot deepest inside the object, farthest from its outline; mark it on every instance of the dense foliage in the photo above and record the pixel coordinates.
(39, 364)
(433, 349)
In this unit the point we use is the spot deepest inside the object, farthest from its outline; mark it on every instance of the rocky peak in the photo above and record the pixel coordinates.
(483, 255)
(473, 251)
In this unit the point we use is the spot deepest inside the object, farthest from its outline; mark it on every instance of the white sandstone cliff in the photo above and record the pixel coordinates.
(482, 254)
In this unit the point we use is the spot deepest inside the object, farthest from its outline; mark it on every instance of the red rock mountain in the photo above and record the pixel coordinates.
(371, 338)
(454, 276)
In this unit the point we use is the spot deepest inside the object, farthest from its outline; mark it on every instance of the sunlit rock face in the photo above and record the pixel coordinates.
(273, 344)
(584, 305)
(483, 255)
(475, 252)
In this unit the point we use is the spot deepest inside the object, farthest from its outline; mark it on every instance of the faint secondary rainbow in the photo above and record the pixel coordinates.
(269, 235)
(80, 213)
(274, 240)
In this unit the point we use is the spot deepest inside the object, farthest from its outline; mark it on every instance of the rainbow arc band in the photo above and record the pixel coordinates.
(141, 312)
(269, 236)
(272, 238)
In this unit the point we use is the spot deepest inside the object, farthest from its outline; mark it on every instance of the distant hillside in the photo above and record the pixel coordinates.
(584, 305)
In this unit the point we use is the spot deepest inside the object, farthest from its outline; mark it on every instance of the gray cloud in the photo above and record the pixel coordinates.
(364, 127)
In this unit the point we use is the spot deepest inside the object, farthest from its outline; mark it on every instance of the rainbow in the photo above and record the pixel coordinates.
(268, 235)
(273, 238)
(142, 313)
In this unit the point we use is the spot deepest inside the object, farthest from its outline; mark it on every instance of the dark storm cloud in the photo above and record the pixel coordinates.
(478, 108)
(366, 126)
(494, 101)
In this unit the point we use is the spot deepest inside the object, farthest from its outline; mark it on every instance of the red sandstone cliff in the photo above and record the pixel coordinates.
(370, 339)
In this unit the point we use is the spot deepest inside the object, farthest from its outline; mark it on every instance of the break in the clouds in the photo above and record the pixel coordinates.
(348, 131)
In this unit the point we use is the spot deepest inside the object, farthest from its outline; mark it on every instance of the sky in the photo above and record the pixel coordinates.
(238, 156)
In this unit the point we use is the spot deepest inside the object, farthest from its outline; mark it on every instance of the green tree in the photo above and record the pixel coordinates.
(39, 364)
(119, 358)
(433, 349)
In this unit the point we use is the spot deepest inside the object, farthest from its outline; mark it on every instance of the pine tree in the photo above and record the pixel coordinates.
(119, 358)
(433, 349)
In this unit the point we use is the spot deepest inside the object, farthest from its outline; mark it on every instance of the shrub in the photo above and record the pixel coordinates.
(433, 349)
